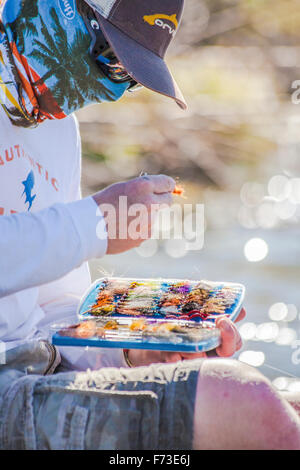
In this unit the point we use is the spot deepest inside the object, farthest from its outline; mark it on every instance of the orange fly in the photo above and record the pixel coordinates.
(179, 190)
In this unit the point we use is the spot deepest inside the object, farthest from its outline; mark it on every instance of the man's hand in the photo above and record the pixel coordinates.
(129, 208)
(231, 342)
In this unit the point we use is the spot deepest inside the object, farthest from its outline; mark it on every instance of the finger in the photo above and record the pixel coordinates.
(190, 356)
(238, 339)
(241, 315)
(229, 337)
(146, 357)
(162, 184)
(239, 344)
(169, 357)
(163, 199)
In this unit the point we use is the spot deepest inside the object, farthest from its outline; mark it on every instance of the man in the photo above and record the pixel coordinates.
(55, 57)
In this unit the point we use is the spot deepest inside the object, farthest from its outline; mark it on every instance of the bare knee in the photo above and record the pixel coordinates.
(236, 407)
(293, 398)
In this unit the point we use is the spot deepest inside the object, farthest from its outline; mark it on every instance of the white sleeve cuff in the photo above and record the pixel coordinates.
(90, 225)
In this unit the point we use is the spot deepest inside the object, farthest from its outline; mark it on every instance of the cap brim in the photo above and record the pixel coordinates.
(143, 65)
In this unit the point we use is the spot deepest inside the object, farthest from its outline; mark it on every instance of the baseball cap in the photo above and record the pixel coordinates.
(140, 32)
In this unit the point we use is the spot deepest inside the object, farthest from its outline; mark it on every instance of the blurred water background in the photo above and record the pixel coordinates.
(236, 150)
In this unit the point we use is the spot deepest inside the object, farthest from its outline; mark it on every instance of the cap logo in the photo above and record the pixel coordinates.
(67, 8)
(158, 21)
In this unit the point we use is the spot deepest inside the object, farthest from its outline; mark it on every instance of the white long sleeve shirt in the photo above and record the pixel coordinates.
(47, 234)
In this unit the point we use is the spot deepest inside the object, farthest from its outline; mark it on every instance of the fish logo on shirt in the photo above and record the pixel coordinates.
(28, 187)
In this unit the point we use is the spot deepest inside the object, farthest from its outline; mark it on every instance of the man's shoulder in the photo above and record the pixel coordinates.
(65, 127)
(63, 132)
(72, 121)
(69, 123)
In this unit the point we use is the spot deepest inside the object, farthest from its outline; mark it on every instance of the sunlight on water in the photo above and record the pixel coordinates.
(266, 216)
(278, 311)
(271, 209)
(248, 331)
(292, 312)
(148, 248)
(286, 384)
(285, 209)
(281, 383)
(253, 358)
(294, 386)
(252, 194)
(279, 187)
(256, 249)
(286, 336)
(267, 331)
(295, 191)
(164, 221)
(246, 218)
(176, 248)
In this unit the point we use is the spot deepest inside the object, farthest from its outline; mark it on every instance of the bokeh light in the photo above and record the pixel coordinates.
(281, 383)
(287, 384)
(252, 194)
(279, 187)
(247, 331)
(295, 190)
(267, 332)
(294, 386)
(246, 218)
(278, 311)
(286, 336)
(266, 216)
(176, 248)
(256, 249)
(292, 313)
(253, 358)
(148, 248)
(164, 221)
(285, 209)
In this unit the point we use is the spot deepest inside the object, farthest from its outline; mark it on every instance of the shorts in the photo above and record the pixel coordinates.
(143, 408)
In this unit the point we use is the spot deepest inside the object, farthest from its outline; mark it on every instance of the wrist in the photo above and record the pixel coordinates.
(97, 198)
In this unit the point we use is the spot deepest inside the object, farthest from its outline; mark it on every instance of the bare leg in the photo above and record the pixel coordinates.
(237, 408)
(293, 398)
